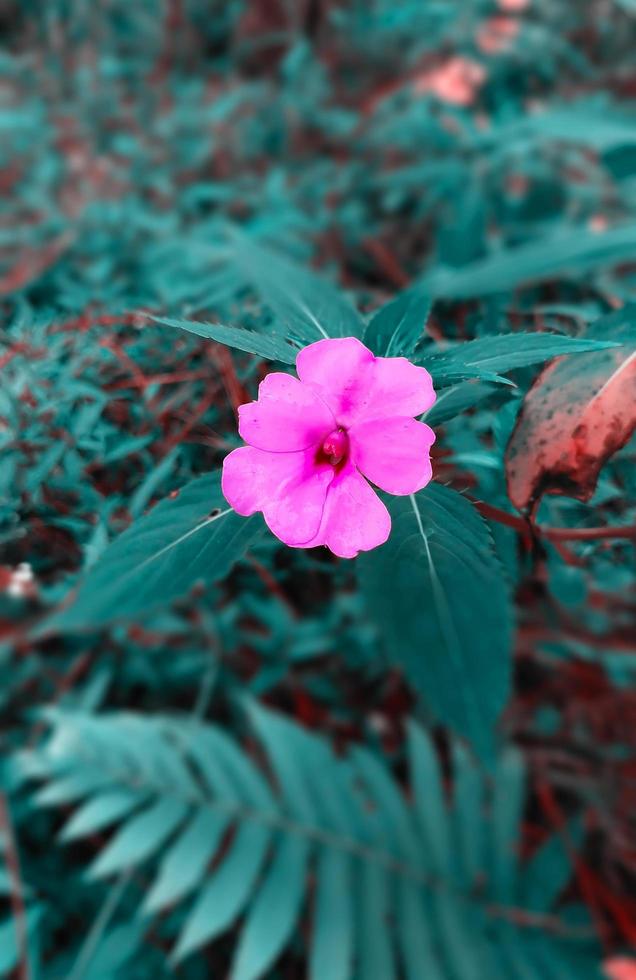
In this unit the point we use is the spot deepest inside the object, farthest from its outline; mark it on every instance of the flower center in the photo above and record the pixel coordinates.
(336, 447)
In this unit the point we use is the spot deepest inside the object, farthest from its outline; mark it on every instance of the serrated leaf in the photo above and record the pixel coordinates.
(438, 593)
(270, 346)
(192, 536)
(395, 329)
(486, 357)
(452, 401)
(306, 304)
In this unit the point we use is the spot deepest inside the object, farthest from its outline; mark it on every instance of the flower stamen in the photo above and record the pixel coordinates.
(336, 446)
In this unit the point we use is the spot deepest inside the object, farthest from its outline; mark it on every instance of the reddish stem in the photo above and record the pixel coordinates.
(17, 900)
(524, 527)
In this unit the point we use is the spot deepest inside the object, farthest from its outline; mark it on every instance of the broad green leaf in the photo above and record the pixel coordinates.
(395, 329)
(271, 347)
(438, 593)
(486, 357)
(191, 536)
(305, 304)
(272, 916)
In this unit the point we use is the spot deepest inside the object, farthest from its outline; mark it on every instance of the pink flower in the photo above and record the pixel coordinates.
(314, 439)
(620, 968)
(456, 81)
(497, 34)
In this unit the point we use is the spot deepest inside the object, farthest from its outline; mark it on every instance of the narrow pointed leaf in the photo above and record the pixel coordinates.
(224, 897)
(395, 329)
(272, 917)
(270, 347)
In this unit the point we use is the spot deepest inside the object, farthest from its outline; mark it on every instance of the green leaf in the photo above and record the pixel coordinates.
(507, 812)
(485, 357)
(332, 943)
(272, 917)
(416, 935)
(192, 536)
(184, 865)
(375, 952)
(100, 811)
(574, 251)
(224, 897)
(304, 303)
(270, 347)
(374, 863)
(452, 401)
(395, 329)
(439, 595)
(140, 837)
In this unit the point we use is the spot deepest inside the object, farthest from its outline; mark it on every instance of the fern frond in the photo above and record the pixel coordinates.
(392, 884)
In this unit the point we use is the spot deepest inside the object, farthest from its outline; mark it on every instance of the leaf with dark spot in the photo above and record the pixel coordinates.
(578, 413)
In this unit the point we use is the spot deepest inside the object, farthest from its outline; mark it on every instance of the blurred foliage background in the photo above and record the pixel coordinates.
(196, 753)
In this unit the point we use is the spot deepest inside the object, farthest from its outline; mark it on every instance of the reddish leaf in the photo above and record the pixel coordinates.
(620, 968)
(578, 413)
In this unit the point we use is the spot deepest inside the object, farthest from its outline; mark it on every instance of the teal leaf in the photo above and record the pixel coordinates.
(272, 916)
(461, 397)
(379, 863)
(191, 536)
(270, 346)
(574, 251)
(486, 357)
(184, 865)
(303, 302)
(439, 595)
(395, 329)
(332, 941)
(140, 837)
(100, 811)
(225, 896)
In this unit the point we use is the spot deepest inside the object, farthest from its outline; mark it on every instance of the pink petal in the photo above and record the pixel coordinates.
(356, 385)
(354, 519)
(289, 488)
(339, 368)
(393, 453)
(287, 417)
(398, 388)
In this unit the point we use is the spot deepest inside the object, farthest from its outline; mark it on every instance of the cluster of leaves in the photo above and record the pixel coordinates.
(198, 190)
